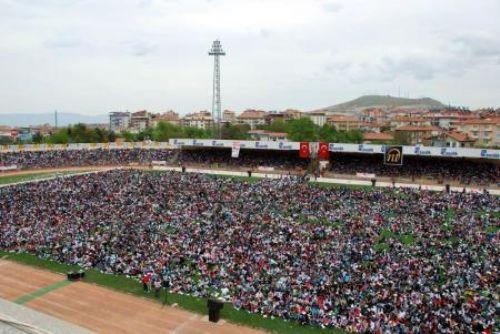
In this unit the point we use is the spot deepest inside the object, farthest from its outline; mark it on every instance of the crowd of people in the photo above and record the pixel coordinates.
(465, 172)
(79, 158)
(378, 261)
(443, 169)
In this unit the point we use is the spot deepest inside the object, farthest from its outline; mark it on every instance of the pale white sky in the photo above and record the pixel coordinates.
(96, 56)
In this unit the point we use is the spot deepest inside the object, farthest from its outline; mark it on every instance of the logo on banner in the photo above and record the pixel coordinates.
(393, 155)
(216, 143)
(283, 146)
(304, 150)
(485, 154)
(361, 148)
(336, 148)
(444, 151)
(259, 145)
(418, 150)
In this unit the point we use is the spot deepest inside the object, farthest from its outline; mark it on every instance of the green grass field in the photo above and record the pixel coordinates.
(8, 179)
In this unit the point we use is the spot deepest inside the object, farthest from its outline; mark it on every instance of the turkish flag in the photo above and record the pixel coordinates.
(323, 151)
(304, 150)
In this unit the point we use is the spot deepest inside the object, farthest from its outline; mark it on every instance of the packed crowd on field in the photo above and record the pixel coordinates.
(378, 261)
(443, 170)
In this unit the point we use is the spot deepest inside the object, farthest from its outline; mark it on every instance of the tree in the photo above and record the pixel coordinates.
(164, 131)
(328, 133)
(236, 131)
(37, 138)
(354, 136)
(127, 136)
(192, 132)
(276, 126)
(303, 129)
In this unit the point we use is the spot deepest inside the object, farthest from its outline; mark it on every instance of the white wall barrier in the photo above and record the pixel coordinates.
(477, 153)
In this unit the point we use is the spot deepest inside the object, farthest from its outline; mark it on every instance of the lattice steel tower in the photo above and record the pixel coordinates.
(216, 51)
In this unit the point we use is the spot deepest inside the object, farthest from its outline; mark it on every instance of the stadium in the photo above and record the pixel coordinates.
(288, 237)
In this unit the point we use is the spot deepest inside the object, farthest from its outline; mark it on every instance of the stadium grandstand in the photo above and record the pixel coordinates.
(289, 240)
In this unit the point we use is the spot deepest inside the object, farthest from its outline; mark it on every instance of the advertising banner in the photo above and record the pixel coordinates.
(393, 155)
(235, 151)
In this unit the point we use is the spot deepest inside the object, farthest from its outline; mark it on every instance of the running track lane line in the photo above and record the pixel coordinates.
(40, 292)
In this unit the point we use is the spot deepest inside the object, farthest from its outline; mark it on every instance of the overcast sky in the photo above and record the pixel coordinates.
(96, 56)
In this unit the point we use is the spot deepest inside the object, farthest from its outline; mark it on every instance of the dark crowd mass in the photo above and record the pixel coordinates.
(369, 261)
(79, 158)
(465, 172)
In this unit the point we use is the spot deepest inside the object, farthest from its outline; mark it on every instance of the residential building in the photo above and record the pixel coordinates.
(200, 120)
(228, 116)
(399, 121)
(252, 117)
(267, 135)
(416, 135)
(119, 121)
(373, 115)
(317, 117)
(291, 114)
(372, 126)
(377, 137)
(169, 117)
(485, 131)
(284, 116)
(343, 123)
(457, 139)
(140, 120)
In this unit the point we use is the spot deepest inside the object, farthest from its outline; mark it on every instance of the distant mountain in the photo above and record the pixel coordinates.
(64, 119)
(381, 101)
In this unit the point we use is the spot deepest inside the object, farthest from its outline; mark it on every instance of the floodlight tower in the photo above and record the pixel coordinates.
(216, 51)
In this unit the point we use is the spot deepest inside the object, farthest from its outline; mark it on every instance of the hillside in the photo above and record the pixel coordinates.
(381, 101)
(64, 119)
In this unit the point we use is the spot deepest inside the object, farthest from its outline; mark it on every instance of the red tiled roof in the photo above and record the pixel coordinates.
(418, 128)
(341, 118)
(252, 114)
(409, 119)
(459, 136)
(267, 133)
(494, 120)
(377, 136)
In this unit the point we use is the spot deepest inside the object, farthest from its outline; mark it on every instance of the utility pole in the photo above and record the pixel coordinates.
(216, 51)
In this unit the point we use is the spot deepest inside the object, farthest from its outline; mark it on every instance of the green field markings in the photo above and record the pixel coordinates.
(125, 284)
(40, 292)
(10, 179)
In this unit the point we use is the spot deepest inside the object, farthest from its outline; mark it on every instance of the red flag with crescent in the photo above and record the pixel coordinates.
(323, 151)
(304, 150)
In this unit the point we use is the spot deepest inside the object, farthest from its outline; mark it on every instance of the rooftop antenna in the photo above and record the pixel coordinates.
(216, 51)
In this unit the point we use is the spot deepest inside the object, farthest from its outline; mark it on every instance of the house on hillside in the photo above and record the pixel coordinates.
(169, 117)
(416, 135)
(344, 123)
(200, 120)
(252, 117)
(485, 131)
(377, 137)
